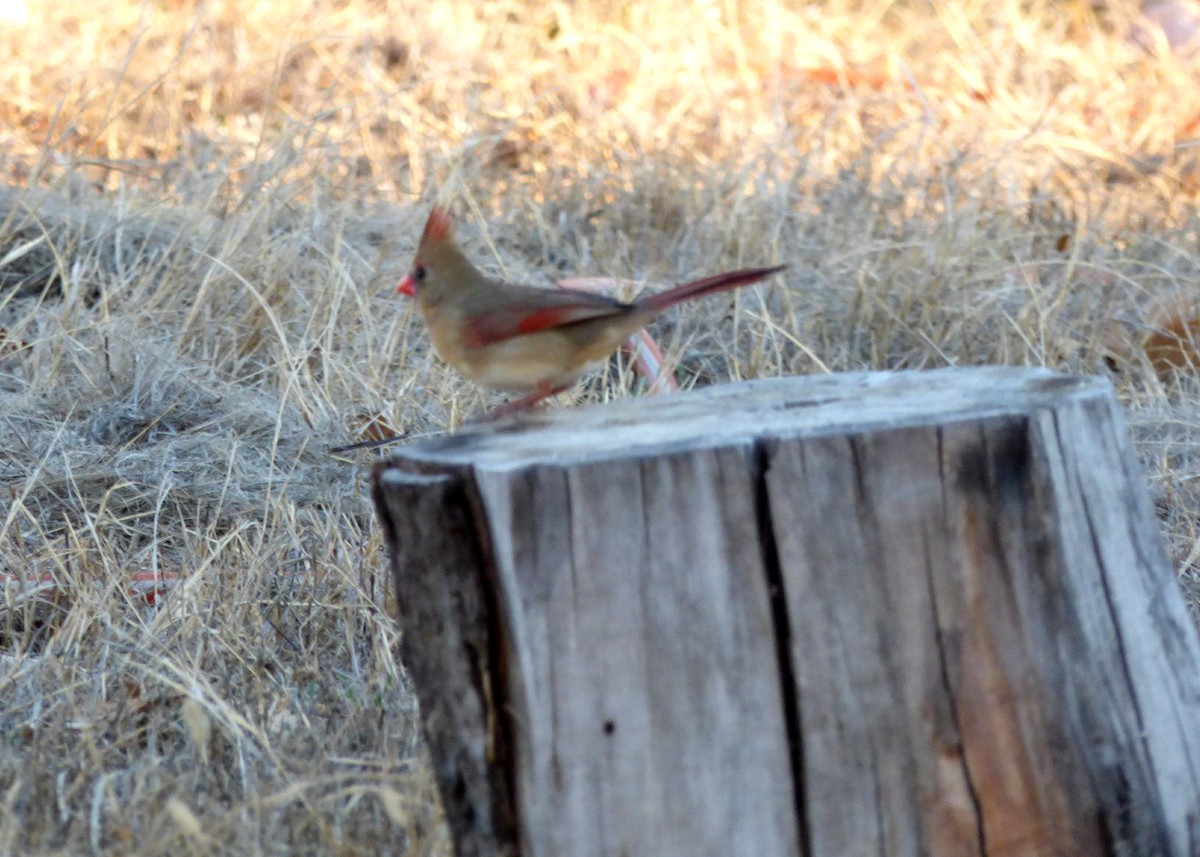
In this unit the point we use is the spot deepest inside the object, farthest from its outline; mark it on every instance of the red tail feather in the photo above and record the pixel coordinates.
(708, 285)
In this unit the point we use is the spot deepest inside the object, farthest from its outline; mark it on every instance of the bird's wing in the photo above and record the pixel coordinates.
(536, 310)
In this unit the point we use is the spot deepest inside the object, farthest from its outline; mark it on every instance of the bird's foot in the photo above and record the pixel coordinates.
(543, 391)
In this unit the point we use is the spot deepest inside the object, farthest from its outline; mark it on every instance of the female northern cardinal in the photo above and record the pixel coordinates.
(523, 338)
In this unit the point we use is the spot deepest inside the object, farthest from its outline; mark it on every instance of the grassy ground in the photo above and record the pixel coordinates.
(208, 205)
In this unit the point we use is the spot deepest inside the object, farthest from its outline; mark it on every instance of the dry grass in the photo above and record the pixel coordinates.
(209, 204)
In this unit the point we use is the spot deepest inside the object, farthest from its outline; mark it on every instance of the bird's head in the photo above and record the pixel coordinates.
(439, 264)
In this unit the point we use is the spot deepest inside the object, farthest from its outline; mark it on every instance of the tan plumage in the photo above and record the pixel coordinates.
(522, 338)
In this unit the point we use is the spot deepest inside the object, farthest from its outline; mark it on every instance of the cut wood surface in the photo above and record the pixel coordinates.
(886, 613)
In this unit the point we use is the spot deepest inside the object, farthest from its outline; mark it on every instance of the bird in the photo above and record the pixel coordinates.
(523, 338)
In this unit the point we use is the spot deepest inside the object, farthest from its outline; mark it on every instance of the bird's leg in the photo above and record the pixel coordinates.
(544, 390)
(369, 444)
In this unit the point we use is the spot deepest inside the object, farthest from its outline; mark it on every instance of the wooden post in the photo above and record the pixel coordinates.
(874, 614)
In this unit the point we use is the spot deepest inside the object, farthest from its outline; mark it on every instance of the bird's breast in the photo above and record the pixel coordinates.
(556, 355)
(524, 362)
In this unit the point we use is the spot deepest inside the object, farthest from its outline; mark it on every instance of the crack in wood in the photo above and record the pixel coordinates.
(943, 666)
(783, 639)
(494, 673)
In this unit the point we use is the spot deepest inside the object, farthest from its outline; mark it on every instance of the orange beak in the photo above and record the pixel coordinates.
(407, 287)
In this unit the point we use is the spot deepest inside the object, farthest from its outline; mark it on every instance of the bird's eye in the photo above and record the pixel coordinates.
(418, 274)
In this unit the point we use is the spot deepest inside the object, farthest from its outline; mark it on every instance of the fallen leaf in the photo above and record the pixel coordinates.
(1172, 341)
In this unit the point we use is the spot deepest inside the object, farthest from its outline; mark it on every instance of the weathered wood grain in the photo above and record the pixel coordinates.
(452, 649)
(914, 613)
(644, 667)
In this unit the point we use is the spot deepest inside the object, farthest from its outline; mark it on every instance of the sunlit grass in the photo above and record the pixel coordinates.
(209, 206)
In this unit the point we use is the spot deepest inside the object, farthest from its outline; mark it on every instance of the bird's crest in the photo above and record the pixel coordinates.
(437, 227)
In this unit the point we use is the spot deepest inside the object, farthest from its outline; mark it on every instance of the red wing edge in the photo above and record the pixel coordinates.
(502, 325)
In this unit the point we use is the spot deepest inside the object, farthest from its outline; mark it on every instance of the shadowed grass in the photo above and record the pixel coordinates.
(209, 205)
